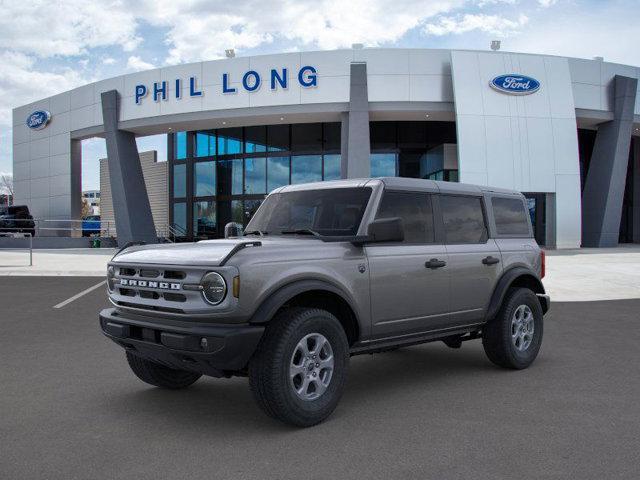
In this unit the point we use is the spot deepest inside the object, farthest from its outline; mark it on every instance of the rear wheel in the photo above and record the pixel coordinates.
(299, 370)
(513, 338)
(159, 375)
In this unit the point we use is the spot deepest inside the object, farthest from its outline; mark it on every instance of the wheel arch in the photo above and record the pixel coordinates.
(514, 277)
(312, 294)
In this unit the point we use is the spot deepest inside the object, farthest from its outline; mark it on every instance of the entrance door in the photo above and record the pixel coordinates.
(410, 279)
(537, 210)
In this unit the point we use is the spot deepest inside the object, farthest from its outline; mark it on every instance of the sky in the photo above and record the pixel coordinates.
(48, 47)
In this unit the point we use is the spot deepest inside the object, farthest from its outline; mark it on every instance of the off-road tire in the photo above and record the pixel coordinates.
(269, 377)
(497, 334)
(159, 375)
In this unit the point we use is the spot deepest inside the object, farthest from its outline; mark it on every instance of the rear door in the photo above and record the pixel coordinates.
(475, 263)
(409, 279)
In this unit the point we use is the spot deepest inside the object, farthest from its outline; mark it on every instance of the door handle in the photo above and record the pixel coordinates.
(490, 260)
(435, 263)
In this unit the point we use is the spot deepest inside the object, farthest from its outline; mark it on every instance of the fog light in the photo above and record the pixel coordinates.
(214, 288)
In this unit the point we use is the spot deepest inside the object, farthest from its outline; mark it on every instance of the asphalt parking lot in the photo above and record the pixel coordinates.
(70, 408)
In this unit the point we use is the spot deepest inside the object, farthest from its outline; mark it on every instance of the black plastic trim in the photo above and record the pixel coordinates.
(508, 277)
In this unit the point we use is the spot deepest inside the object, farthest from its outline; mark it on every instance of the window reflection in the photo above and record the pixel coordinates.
(180, 216)
(180, 146)
(180, 180)
(255, 139)
(204, 218)
(278, 172)
(204, 183)
(332, 167)
(306, 168)
(229, 141)
(230, 177)
(205, 144)
(255, 175)
(383, 164)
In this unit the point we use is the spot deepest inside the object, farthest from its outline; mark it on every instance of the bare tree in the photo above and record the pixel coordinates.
(6, 186)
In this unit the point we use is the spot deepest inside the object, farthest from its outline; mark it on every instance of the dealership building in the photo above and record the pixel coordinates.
(564, 131)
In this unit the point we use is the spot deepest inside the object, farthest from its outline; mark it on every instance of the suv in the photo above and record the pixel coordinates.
(329, 270)
(17, 219)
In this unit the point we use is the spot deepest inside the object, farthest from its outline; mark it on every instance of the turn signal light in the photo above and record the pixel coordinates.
(236, 287)
(543, 263)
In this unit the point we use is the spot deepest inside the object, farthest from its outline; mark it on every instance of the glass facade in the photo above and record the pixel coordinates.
(223, 175)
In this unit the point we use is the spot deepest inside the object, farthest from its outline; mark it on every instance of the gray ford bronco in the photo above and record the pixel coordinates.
(329, 270)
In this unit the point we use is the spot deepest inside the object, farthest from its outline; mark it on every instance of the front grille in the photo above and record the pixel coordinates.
(151, 287)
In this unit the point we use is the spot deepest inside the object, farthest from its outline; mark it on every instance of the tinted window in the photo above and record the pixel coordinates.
(277, 172)
(415, 211)
(463, 219)
(204, 179)
(306, 168)
(255, 175)
(180, 180)
(330, 211)
(511, 218)
(332, 166)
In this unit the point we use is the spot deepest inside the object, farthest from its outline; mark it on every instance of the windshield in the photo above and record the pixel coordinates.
(327, 212)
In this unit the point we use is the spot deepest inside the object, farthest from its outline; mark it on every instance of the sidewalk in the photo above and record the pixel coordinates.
(90, 262)
(572, 275)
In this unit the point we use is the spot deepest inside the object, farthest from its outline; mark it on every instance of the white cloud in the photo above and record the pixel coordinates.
(324, 24)
(20, 83)
(491, 24)
(547, 3)
(108, 61)
(136, 63)
(46, 28)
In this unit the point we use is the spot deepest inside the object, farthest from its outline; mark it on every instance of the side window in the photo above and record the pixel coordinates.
(511, 217)
(463, 219)
(415, 211)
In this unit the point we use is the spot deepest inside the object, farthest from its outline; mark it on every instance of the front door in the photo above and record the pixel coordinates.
(475, 262)
(410, 279)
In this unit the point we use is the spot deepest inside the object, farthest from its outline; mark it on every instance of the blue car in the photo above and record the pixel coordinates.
(91, 225)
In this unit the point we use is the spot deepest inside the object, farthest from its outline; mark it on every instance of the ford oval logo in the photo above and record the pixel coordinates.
(38, 119)
(515, 84)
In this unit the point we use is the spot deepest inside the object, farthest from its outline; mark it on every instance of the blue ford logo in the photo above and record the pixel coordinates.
(38, 119)
(515, 84)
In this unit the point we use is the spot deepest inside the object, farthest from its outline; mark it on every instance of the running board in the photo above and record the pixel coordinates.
(373, 346)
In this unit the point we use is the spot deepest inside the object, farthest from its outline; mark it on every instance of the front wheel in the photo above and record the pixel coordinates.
(513, 338)
(299, 370)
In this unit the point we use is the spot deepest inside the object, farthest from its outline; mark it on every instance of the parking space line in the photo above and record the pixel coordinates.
(78, 295)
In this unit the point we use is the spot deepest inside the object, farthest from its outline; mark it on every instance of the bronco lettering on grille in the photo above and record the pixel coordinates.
(128, 282)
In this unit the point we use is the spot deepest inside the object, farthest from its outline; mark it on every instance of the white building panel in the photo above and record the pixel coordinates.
(388, 88)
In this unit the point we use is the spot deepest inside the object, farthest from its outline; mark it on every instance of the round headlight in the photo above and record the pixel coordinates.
(214, 288)
(111, 273)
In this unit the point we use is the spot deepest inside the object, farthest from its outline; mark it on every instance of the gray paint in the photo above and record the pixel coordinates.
(130, 201)
(358, 148)
(344, 145)
(604, 187)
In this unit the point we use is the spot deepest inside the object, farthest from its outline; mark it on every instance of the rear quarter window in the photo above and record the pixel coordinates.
(510, 216)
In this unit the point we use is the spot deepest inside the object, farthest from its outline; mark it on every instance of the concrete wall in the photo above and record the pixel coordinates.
(156, 175)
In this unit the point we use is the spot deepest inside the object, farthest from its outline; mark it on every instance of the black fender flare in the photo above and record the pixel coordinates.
(506, 280)
(275, 300)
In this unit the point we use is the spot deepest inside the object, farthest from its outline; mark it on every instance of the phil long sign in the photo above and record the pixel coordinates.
(250, 81)
(515, 84)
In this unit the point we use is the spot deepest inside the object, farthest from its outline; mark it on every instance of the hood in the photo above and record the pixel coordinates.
(213, 252)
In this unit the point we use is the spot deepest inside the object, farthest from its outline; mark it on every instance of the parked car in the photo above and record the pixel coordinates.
(17, 219)
(329, 270)
(91, 225)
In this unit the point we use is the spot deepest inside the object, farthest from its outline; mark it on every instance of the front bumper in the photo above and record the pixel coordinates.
(215, 350)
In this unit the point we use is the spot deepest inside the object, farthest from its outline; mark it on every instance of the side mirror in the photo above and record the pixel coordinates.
(232, 229)
(386, 230)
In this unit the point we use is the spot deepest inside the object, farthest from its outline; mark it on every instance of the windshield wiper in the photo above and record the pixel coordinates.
(256, 232)
(301, 231)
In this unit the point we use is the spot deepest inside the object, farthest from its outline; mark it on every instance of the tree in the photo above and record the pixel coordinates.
(86, 208)
(6, 183)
